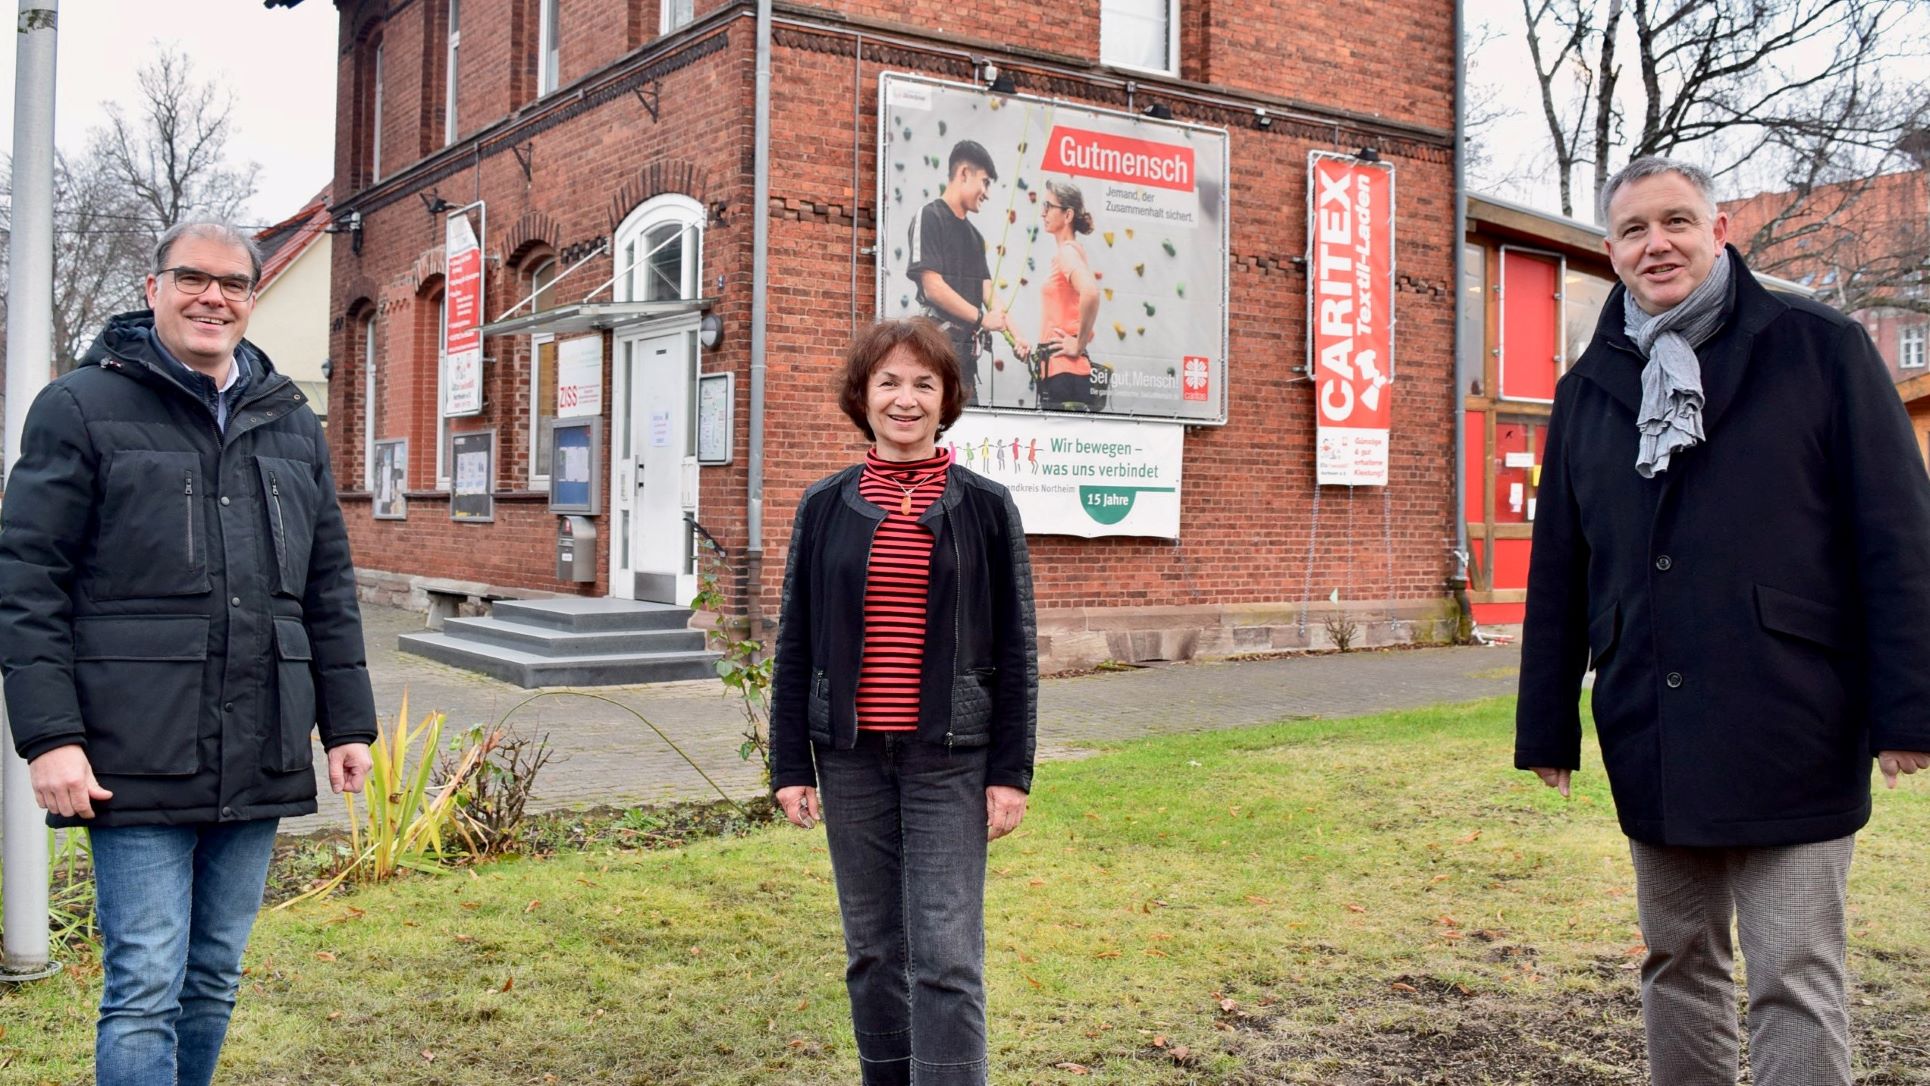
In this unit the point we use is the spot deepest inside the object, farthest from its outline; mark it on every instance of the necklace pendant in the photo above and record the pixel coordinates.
(904, 507)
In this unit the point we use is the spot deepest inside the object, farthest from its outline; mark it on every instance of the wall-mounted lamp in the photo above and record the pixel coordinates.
(352, 226)
(1262, 119)
(1367, 154)
(328, 368)
(710, 331)
(997, 80)
(436, 204)
(1159, 111)
(719, 213)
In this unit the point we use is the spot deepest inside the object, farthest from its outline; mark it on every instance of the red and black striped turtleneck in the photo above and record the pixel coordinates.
(897, 587)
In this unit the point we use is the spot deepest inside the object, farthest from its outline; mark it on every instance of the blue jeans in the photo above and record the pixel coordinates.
(175, 904)
(905, 821)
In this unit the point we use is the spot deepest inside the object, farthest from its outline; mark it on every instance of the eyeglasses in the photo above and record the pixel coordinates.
(193, 282)
(1050, 206)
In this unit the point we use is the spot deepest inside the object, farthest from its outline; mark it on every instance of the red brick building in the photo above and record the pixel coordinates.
(615, 140)
(1841, 239)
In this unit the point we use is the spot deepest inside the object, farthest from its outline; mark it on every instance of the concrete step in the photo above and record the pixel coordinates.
(592, 614)
(546, 641)
(529, 669)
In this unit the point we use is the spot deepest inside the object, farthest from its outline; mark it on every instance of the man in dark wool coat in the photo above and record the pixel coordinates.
(177, 616)
(1734, 532)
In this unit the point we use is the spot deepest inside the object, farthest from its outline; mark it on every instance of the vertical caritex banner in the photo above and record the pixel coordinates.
(1350, 315)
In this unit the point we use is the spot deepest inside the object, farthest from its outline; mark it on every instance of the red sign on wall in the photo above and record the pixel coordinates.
(1084, 153)
(1350, 315)
(462, 339)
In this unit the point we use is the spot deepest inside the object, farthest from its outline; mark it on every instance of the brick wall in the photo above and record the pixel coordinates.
(1249, 505)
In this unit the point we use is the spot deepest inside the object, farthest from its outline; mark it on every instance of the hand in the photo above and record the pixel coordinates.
(994, 318)
(348, 767)
(1893, 762)
(1554, 778)
(1066, 342)
(1004, 808)
(63, 782)
(800, 803)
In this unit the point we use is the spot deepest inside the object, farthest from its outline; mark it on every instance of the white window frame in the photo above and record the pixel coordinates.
(1908, 338)
(672, 10)
(671, 207)
(1172, 42)
(368, 403)
(538, 480)
(442, 387)
(452, 82)
(375, 116)
(549, 52)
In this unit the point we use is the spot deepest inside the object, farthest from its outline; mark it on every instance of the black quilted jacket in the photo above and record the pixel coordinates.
(980, 682)
(177, 600)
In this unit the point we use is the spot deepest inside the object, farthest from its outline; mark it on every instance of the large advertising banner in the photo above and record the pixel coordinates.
(1350, 315)
(1099, 237)
(462, 339)
(1077, 476)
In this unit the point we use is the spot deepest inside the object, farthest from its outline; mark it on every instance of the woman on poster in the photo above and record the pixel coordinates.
(906, 688)
(1068, 303)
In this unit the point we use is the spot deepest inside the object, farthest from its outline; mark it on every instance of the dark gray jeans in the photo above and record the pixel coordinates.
(906, 824)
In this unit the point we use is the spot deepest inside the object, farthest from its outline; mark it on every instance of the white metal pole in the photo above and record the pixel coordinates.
(30, 309)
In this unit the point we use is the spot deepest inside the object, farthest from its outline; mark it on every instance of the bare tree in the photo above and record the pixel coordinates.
(171, 156)
(139, 174)
(1737, 83)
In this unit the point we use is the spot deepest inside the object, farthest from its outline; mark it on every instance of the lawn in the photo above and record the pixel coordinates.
(1368, 901)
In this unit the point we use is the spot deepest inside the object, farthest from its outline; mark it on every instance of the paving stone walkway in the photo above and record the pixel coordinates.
(605, 755)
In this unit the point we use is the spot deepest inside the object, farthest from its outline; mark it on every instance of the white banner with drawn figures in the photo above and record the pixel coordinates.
(1077, 476)
(1076, 257)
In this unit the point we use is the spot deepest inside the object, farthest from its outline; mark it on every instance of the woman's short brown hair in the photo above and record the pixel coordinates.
(930, 347)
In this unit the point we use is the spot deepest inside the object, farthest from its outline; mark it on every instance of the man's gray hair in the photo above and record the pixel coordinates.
(1650, 166)
(210, 230)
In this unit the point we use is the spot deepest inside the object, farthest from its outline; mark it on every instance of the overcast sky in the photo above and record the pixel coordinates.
(280, 65)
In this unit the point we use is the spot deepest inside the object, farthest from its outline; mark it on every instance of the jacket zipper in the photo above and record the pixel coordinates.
(281, 548)
(187, 492)
(958, 606)
(869, 545)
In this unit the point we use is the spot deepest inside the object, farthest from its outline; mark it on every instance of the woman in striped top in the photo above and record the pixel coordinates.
(906, 688)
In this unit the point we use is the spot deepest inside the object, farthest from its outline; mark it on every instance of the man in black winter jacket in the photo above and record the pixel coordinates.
(1731, 532)
(177, 615)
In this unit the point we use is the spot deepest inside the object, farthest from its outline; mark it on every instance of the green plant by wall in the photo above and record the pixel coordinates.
(744, 668)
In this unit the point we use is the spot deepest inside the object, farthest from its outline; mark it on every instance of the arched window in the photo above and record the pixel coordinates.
(542, 373)
(660, 251)
(371, 422)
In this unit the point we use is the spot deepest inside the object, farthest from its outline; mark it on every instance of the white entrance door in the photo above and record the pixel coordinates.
(653, 460)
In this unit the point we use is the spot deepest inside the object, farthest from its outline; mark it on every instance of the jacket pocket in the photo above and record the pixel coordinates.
(1604, 630)
(1796, 616)
(139, 679)
(817, 708)
(152, 541)
(972, 706)
(289, 496)
(291, 751)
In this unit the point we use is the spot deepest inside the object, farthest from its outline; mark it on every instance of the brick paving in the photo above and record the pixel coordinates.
(605, 755)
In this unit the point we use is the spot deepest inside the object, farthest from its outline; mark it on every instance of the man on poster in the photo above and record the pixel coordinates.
(1730, 532)
(948, 263)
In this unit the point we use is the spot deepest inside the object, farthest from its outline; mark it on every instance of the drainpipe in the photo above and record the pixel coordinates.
(1458, 582)
(760, 275)
(24, 949)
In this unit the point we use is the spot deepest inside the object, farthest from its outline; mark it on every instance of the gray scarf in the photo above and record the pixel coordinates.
(1671, 415)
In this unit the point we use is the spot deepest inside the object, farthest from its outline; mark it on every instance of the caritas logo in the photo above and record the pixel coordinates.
(1196, 379)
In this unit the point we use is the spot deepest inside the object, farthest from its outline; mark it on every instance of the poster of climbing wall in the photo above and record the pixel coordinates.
(1076, 257)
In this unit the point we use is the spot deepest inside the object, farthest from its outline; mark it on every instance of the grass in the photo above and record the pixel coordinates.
(1379, 900)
